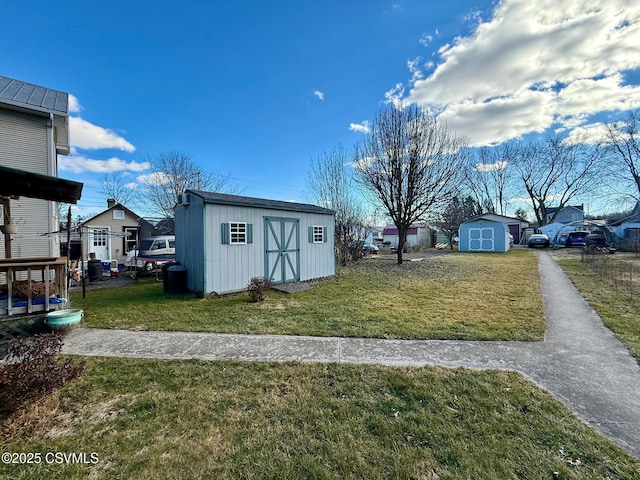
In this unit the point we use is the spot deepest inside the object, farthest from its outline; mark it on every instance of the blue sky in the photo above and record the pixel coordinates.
(255, 90)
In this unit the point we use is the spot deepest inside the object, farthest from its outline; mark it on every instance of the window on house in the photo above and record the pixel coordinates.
(131, 239)
(100, 237)
(118, 214)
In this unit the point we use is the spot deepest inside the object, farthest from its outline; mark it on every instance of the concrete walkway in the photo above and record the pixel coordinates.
(580, 362)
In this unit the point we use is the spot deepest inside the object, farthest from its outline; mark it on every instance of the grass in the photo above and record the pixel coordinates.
(456, 296)
(617, 308)
(149, 419)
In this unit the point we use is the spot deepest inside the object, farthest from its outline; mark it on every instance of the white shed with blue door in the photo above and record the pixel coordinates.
(225, 240)
(484, 235)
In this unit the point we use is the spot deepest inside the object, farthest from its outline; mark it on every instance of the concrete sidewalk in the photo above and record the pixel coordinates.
(580, 361)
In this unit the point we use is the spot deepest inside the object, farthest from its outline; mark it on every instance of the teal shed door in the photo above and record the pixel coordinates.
(282, 249)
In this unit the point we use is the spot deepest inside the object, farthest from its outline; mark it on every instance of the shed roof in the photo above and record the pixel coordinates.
(33, 97)
(237, 200)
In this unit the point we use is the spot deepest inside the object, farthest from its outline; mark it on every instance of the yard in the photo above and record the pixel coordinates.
(443, 296)
(149, 419)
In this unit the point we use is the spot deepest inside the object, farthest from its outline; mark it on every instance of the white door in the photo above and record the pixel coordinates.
(99, 242)
(481, 239)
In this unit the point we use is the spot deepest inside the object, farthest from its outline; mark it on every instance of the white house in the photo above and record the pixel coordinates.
(225, 240)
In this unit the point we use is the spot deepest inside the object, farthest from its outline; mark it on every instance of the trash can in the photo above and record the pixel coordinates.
(177, 279)
(94, 270)
(165, 275)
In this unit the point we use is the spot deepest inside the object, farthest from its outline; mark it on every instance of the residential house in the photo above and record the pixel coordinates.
(112, 233)
(566, 215)
(34, 130)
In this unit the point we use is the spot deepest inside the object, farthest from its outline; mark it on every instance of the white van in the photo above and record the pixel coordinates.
(164, 245)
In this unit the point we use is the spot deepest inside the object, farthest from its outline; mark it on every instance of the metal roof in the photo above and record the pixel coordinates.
(237, 200)
(33, 97)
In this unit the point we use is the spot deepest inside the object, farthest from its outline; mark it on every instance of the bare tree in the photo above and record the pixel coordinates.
(555, 171)
(455, 212)
(116, 187)
(491, 177)
(411, 163)
(625, 147)
(330, 184)
(172, 174)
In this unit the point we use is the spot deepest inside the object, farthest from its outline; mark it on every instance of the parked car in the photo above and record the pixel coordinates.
(369, 248)
(538, 240)
(157, 246)
(576, 239)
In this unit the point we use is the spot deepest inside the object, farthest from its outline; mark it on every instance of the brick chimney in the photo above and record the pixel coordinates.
(111, 202)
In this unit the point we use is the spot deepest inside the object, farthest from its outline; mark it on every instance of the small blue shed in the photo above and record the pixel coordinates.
(484, 235)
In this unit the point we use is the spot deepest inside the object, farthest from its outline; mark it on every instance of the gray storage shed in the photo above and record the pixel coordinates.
(225, 240)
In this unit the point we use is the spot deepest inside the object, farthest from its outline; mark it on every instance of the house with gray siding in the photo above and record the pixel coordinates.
(34, 130)
(567, 214)
(225, 240)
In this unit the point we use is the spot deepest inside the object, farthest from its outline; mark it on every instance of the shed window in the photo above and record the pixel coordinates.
(237, 233)
(118, 214)
(317, 234)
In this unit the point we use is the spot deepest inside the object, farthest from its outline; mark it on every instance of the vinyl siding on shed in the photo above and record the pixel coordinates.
(224, 268)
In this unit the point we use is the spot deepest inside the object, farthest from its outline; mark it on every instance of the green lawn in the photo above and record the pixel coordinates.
(454, 296)
(149, 419)
(618, 309)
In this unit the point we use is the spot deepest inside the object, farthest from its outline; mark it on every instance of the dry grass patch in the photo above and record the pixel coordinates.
(445, 296)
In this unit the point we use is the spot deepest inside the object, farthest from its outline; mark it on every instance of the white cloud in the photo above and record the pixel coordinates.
(425, 40)
(154, 178)
(131, 185)
(88, 136)
(363, 127)
(492, 167)
(531, 66)
(80, 164)
(319, 94)
(74, 104)
(593, 133)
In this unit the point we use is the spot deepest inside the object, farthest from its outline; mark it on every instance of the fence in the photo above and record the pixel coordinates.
(621, 270)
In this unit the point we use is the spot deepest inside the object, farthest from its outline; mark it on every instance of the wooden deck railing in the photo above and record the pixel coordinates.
(30, 270)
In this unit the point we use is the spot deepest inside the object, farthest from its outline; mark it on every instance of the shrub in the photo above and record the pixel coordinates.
(33, 370)
(257, 288)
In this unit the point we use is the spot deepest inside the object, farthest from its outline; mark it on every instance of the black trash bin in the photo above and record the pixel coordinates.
(177, 275)
(165, 275)
(95, 270)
